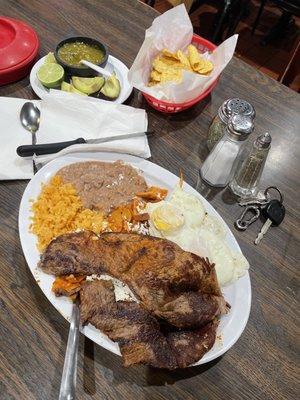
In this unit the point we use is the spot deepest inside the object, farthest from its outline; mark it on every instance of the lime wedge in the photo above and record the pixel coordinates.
(50, 58)
(51, 75)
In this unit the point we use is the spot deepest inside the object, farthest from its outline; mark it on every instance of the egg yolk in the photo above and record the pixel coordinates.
(167, 218)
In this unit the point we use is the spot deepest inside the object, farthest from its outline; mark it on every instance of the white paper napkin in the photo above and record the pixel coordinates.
(86, 117)
(173, 30)
(12, 135)
(66, 117)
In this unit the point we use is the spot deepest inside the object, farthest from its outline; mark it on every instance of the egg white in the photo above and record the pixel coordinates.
(191, 207)
(197, 232)
(213, 225)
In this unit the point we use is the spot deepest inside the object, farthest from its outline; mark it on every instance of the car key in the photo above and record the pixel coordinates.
(274, 213)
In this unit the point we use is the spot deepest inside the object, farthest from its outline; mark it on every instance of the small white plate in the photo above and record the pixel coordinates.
(113, 64)
(238, 294)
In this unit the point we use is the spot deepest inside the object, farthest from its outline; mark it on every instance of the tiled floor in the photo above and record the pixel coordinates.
(271, 59)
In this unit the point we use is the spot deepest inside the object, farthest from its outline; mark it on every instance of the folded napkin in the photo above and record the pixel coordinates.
(65, 117)
(12, 135)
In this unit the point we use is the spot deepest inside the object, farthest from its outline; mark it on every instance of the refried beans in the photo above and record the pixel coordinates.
(103, 185)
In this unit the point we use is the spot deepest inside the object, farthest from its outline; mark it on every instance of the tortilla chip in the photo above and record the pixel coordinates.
(159, 65)
(168, 66)
(155, 76)
(198, 63)
(175, 64)
(171, 75)
(168, 54)
(183, 60)
(194, 58)
(206, 68)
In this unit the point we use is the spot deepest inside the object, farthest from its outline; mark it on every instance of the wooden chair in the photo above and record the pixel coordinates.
(289, 8)
(227, 19)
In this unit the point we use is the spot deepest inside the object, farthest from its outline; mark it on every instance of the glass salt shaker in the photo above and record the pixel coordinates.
(250, 167)
(218, 168)
(229, 108)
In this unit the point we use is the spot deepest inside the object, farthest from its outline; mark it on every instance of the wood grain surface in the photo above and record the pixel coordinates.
(263, 364)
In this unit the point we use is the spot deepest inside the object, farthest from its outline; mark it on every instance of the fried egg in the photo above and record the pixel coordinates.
(213, 225)
(183, 220)
(191, 207)
(167, 218)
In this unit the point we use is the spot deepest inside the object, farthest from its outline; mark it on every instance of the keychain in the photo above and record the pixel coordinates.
(242, 223)
(254, 206)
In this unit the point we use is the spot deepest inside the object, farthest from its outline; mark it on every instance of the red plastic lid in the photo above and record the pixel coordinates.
(18, 43)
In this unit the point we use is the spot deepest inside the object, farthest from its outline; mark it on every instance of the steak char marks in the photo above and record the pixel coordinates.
(171, 284)
(138, 333)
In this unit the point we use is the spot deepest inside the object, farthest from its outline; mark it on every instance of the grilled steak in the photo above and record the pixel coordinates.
(190, 346)
(138, 333)
(171, 283)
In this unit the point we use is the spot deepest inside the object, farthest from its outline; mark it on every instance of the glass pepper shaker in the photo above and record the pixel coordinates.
(250, 167)
(229, 108)
(218, 168)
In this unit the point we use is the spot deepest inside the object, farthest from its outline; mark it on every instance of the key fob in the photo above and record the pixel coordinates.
(275, 211)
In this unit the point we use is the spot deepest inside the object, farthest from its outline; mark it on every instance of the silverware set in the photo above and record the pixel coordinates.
(30, 119)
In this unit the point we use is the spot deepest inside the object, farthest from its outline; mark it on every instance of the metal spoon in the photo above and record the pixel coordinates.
(68, 380)
(30, 120)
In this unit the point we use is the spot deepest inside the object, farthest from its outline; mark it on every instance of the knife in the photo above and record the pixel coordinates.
(68, 380)
(50, 148)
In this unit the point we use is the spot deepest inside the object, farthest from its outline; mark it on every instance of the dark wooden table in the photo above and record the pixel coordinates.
(33, 336)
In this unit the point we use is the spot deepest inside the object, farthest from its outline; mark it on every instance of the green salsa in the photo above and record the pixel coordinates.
(73, 52)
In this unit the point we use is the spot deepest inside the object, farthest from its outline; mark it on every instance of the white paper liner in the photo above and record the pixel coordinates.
(173, 30)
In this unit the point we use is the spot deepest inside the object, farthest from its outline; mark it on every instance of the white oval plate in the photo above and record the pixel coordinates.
(237, 294)
(113, 64)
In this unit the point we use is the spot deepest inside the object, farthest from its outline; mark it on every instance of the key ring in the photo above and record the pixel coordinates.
(266, 192)
(242, 223)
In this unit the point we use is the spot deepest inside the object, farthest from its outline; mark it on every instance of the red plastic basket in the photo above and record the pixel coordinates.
(203, 45)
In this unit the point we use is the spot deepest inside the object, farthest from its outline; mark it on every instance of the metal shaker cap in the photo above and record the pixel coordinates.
(236, 106)
(263, 141)
(240, 126)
